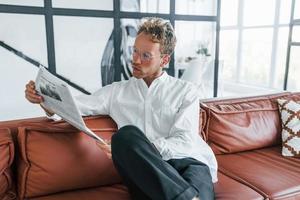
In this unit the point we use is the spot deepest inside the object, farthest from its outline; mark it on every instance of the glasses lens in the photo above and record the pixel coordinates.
(146, 56)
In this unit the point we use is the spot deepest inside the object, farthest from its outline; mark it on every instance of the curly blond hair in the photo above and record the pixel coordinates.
(161, 32)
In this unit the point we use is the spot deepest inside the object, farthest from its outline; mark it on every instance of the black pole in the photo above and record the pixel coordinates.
(287, 66)
(216, 74)
(117, 40)
(50, 36)
(171, 70)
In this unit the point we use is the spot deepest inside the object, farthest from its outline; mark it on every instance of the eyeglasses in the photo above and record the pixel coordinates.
(144, 56)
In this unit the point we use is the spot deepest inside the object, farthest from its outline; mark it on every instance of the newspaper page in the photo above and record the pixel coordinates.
(58, 98)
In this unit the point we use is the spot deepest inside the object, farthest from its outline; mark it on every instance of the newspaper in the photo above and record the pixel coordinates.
(58, 98)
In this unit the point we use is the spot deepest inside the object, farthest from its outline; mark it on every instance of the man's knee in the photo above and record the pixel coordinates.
(125, 136)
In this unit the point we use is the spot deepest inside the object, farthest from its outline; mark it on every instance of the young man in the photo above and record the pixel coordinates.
(157, 149)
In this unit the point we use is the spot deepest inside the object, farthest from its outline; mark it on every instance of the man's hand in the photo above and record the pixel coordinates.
(105, 148)
(31, 94)
(33, 97)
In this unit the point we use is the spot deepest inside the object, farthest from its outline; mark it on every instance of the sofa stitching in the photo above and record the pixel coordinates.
(289, 159)
(242, 181)
(7, 176)
(271, 100)
(238, 178)
(11, 149)
(207, 125)
(25, 159)
(28, 162)
(242, 111)
(235, 100)
(8, 180)
(4, 170)
(11, 152)
(224, 172)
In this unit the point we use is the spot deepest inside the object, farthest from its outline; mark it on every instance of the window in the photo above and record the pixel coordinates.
(296, 34)
(256, 56)
(281, 54)
(15, 71)
(285, 11)
(84, 43)
(79, 46)
(228, 46)
(196, 7)
(194, 54)
(86, 4)
(294, 70)
(146, 6)
(297, 10)
(230, 13)
(23, 3)
(253, 48)
(257, 12)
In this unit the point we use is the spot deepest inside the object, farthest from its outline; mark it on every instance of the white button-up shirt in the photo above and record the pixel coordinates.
(167, 112)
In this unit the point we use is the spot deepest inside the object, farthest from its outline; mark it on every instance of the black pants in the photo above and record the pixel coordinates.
(148, 176)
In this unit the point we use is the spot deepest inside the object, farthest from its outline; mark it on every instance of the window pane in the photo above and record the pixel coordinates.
(285, 11)
(31, 42)
(16, 72)
(230, 84)
(146, 6)
(297, 10)
(281, 57)
(81, 46)
(229, 12)
(194, 53)
(294, 70)
(86, 4)
(256, 56)
(228, 53)
(296, 33)
(23, 3)
(196, 7)
(257, 12)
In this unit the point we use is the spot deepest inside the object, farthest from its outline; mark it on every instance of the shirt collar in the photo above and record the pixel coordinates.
(159, 79)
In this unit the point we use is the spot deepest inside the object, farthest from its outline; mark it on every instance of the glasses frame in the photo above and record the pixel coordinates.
(144, 56)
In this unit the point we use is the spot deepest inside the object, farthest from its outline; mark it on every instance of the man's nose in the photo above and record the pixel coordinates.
(136, 59)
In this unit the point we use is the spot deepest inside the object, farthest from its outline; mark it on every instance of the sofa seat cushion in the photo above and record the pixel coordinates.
(6, 159)
(264, 170)
(57, 157)
(229, 189)
(114, 192)
(242, 124)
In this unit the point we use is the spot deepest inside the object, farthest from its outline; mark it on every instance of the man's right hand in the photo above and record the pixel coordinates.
(32, 96)
(105, 147)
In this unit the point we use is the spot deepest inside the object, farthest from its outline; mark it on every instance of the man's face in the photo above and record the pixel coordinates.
(147, 60)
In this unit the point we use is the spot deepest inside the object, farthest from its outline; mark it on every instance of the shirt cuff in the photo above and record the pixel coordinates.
(162, 147)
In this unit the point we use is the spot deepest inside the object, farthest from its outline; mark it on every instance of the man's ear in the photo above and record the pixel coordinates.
(165, 60)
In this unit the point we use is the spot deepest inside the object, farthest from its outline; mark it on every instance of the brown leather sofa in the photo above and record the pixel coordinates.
(45, 160)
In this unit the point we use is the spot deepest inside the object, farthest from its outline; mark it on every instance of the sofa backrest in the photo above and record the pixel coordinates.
(241, 124)
(54, 157)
